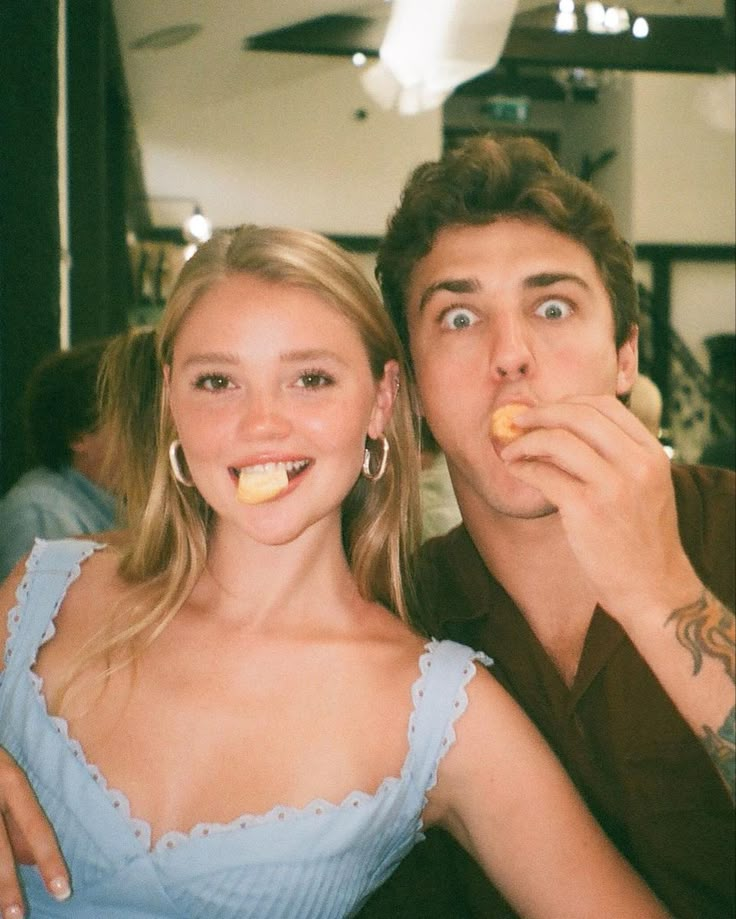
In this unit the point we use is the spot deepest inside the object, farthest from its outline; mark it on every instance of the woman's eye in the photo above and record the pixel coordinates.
(313, 379)
(553, 309)
(213, 382)
(459, 317)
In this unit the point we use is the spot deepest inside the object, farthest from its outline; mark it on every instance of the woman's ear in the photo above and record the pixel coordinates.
(386, 392)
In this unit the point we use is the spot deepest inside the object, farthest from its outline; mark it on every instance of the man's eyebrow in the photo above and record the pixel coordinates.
(454, 285)
(548, 278)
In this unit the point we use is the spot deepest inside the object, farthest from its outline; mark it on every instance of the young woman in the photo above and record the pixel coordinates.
(226, 715)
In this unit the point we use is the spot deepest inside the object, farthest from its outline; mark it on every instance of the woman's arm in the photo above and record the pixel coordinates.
(26, 837)
(505, 797)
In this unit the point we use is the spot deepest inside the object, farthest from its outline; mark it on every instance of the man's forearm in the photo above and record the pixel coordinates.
(707, 630)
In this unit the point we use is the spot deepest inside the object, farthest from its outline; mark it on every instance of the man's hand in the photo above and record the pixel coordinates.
(26, 837)
(610, 481)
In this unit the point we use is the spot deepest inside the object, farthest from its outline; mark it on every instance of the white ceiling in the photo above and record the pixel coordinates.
(205, 74)
(212, 64)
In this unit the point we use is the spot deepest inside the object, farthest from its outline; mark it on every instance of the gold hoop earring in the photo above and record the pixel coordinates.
(175, 467)
(378, 474)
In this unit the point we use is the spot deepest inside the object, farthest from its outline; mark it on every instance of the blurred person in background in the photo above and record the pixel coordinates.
(65, 491)
(645, 401)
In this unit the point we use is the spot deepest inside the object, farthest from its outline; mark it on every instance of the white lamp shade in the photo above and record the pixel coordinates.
(432, 46)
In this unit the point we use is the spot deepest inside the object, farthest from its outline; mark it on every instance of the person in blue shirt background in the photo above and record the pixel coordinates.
(64, 492)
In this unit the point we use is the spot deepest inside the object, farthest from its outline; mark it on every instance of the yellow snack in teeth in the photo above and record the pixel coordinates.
(503, 428)
(258, 485)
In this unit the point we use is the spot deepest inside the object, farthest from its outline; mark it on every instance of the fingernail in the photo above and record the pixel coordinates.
(59, 889)
(13, 912)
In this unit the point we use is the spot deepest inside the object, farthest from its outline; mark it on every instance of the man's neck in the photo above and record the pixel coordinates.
(533, 562)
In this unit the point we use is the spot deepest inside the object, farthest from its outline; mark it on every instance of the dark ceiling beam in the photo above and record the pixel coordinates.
(684, 44)
(331, 35)
(675, 44)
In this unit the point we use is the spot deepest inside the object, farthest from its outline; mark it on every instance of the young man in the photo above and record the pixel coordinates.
(592, 572)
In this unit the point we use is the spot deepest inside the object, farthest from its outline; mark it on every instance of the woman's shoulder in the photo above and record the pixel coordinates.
(94, 581)
(82, 573)
(57, 579)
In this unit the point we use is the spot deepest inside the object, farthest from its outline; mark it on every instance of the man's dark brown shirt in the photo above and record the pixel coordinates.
(642, 771)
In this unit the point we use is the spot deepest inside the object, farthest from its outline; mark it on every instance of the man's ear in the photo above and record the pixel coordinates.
(628, 363)
(386, 392)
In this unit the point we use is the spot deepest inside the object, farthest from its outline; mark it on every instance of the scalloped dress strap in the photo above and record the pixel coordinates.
(440, 699)
(50, 569)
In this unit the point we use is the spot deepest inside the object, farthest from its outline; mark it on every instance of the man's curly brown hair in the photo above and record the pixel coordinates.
(487, 179)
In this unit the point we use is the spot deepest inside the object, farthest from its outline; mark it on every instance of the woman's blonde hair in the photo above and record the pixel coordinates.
(169, 522)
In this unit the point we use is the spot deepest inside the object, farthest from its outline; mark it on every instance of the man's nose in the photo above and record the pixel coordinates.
(511, 355)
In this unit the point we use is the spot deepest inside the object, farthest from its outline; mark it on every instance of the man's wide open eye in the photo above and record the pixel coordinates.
(553, 309)
(458, 317)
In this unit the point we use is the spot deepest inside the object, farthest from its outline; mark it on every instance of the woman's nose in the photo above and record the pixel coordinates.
(263, 415)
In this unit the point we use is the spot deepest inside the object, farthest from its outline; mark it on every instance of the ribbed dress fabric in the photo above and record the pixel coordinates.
(316, 862)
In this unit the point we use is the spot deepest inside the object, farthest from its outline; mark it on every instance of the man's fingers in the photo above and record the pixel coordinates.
(33, 842)
(26, 836)
(11, 899)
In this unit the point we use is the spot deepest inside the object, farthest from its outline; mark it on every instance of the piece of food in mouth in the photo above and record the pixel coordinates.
(504, 429)
(258, 484)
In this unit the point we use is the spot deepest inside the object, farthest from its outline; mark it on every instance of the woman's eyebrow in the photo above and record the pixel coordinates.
(211, 357)
(312, 354)
(454, 285)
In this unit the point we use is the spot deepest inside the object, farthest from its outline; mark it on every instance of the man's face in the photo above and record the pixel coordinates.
(510, 311)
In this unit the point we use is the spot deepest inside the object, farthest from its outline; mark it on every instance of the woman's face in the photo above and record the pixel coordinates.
(270, 375)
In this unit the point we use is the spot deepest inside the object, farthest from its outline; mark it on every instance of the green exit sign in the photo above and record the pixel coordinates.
(513, 109)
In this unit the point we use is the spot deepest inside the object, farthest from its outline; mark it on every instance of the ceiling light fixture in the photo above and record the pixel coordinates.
(599, 19)
(640, 27)
(195, 227)
(432, 46)
(566, 19)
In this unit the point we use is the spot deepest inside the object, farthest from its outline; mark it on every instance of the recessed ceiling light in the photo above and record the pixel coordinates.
(166, 38)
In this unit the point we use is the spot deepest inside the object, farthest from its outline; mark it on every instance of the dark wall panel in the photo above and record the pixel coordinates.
(29, 221)
(99, 140)
(99, 282)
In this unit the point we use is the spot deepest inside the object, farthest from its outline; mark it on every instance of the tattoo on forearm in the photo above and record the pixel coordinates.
(707, 629)
(721, 747)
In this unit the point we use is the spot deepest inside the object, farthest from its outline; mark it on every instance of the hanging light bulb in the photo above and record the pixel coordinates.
(640, 28)
(197, 228)
(595, 14)
(566, 19)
